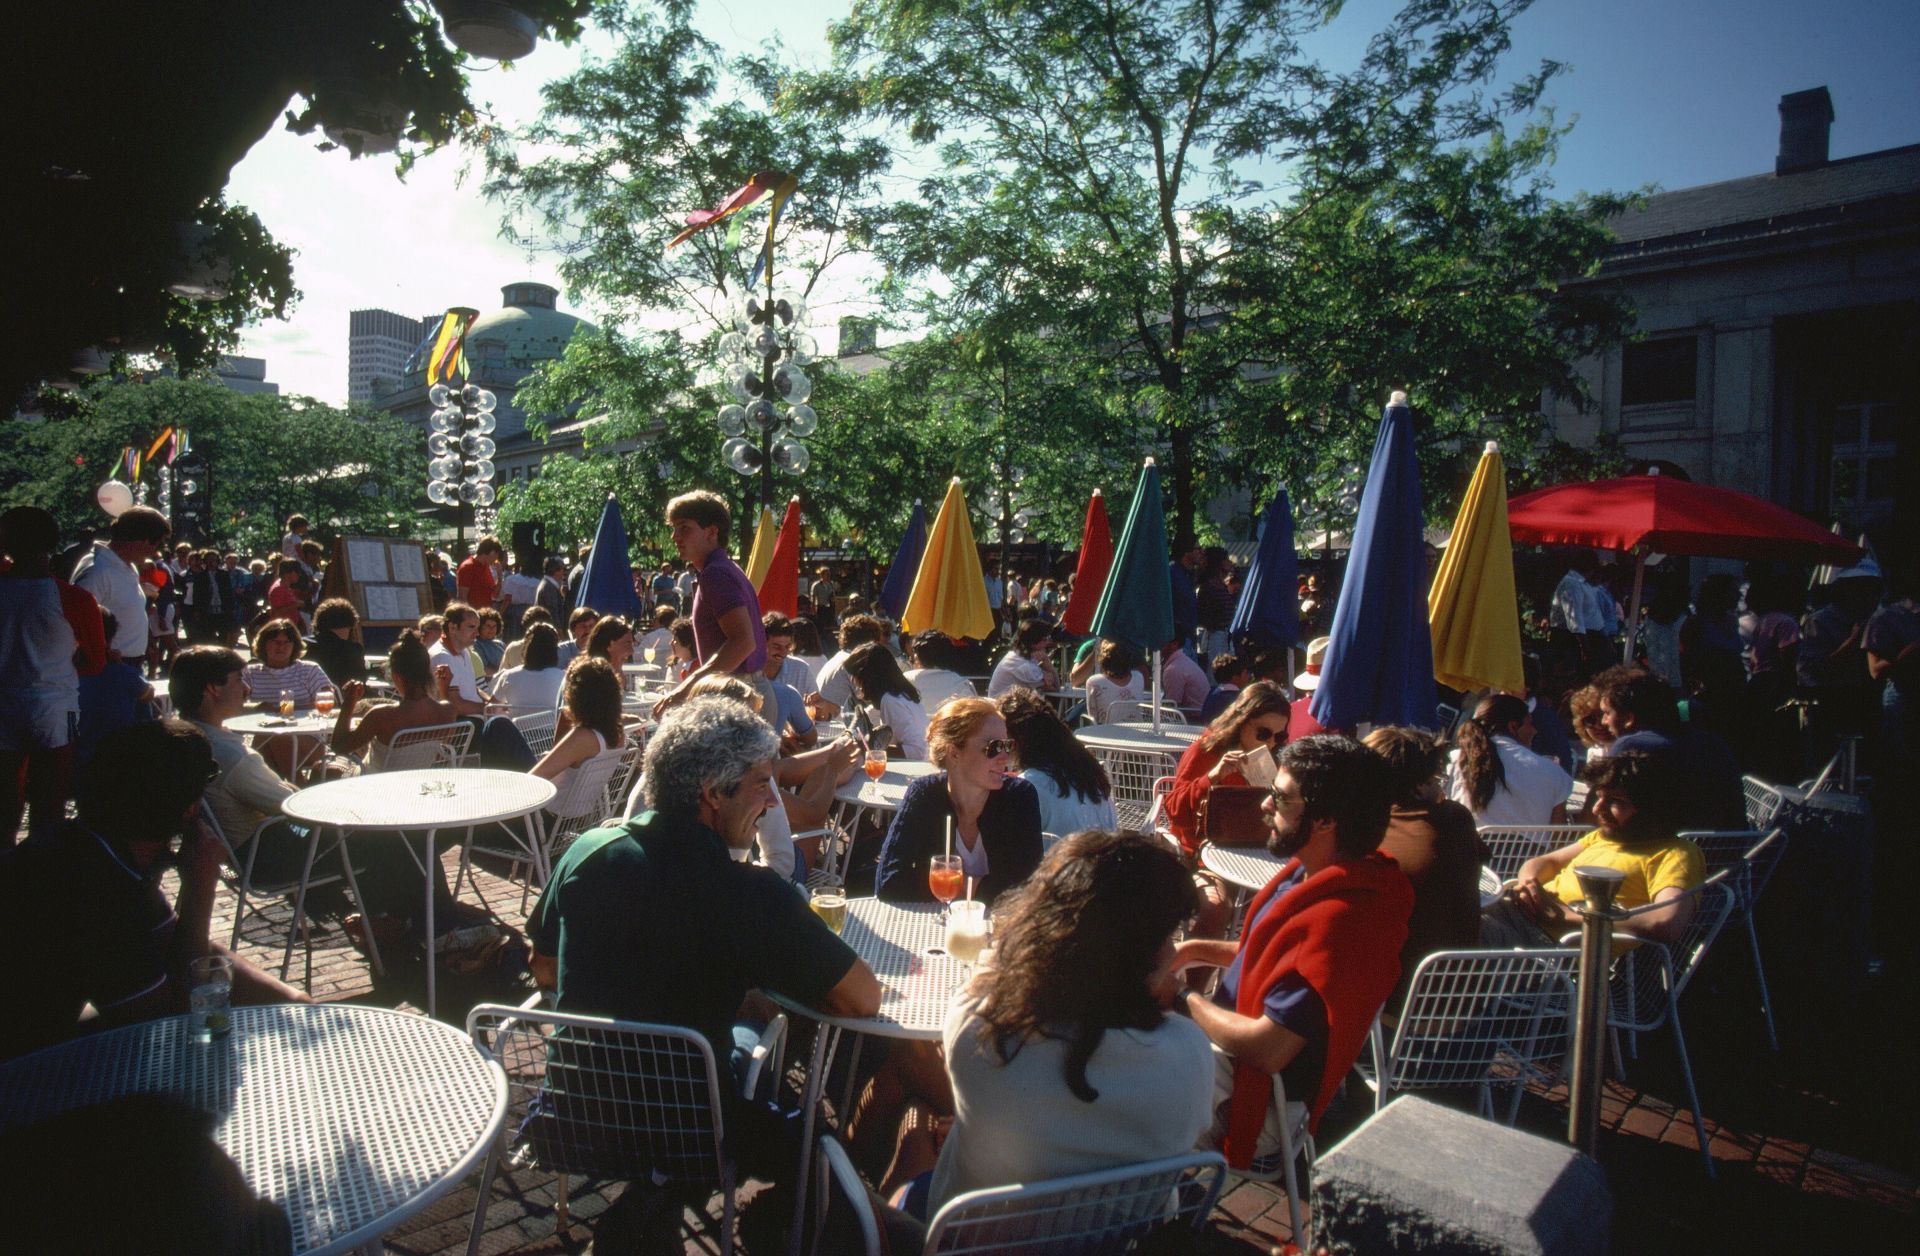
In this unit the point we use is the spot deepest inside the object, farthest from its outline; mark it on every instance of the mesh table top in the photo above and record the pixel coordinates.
(350, 1118)
(884, 794)
(1172, 738)
(1248, 867)
(304, 723)
(915, 988)
(394, 800)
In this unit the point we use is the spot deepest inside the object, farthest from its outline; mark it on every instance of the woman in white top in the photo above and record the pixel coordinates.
(533, 686)
(935, 675)
(1075, 793)
(591, 698)
(1496, 775)
(878, 682)
(1062, 1054)
(1116, 693)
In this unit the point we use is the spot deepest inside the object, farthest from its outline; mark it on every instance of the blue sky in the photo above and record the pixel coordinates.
(1671, 94)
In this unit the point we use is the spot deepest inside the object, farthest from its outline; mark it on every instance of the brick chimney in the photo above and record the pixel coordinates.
(1805, 120)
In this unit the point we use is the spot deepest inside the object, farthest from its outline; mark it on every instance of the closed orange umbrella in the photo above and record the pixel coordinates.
(780, 591)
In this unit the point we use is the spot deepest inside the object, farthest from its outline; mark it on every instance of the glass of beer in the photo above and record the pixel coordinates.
(210, 997)
(286, 704)
(829, 902)
(967, 931)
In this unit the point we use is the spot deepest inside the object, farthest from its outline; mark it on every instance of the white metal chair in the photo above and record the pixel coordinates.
(435, 745)
(1749, 858)
(1510, 845)
(613, 1099)
(1764, 802)
(238, 871)
(835, 845)
(1480, 1018)
(585, 797)
(1132, 774)
(537, 728)
(1104, 1211)
(835, 1170)
(1647, 981)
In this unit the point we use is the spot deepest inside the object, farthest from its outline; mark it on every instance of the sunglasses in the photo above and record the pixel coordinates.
(997, 747)
(1267, 734)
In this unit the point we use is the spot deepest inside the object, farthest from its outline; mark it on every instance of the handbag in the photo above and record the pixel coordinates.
(1233, 816)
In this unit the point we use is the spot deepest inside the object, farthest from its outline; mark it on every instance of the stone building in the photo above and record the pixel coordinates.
(1776, 313)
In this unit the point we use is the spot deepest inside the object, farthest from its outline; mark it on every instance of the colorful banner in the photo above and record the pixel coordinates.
(449, 356)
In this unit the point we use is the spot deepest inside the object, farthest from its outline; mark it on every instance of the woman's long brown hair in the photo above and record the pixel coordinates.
(1076, 946)
(1262, 697)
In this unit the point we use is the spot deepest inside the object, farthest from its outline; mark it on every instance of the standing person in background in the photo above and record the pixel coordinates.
(518, 594)
(1216, 602)
(728, 637)
(1660, 632)
(50, 633)
(1182, 682)
(214, 600)
(475, 584)
(110, 571)
(287, 596)
(1771, 636)
(1573, 620)
(551, 596)
(1186, 598)
(296, 533)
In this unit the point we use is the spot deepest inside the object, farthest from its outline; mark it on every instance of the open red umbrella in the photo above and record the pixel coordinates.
(1643, 514)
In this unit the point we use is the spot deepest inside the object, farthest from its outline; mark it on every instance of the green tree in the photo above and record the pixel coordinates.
(352, 471)
(1140, 133)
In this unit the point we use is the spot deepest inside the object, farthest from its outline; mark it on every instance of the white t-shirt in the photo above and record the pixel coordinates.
(938, 686)
(1535, 785)
(525, 692)
(116, 586)
(521, 588)
(1062, 816)
(1110, 702)
(908, 720)
(462, 667)
(1017, 1121)
(290, 545)
(1012, 672)
(247, 791)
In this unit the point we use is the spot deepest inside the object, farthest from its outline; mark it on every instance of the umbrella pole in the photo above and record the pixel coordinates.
(1633, 607)
(1156, 692)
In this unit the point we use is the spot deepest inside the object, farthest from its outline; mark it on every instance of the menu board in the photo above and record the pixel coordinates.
(386, 580)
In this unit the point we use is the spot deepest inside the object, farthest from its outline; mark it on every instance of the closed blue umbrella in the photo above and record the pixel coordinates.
(1136, 607)
(1379, 666)
(1268, 613)
(906, 564)
(608, 584)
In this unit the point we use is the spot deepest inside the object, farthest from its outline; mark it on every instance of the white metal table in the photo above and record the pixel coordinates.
(916, 989)
(351, 1119)
(1139, 735)
(268, 724)
(858, 795)
(400, 800)
(1244, 867)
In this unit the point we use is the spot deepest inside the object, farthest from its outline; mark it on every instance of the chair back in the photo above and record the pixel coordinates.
(537, 728)
(584, 792)
(835, 844)
(1648, 980)
(435, 745)
(1133, 772)
(1510, 845)
(1089, 1212)
(607, 1098)
(1748, 857)
(1156, 812)
(1448, 717)
(834, 1173)
(1764, 802)
(1480, 1017)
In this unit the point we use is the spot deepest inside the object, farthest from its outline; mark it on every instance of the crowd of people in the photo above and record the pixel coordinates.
(1123, 1012)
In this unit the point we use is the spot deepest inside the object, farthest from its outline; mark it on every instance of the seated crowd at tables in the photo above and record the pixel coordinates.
(1099, 1018)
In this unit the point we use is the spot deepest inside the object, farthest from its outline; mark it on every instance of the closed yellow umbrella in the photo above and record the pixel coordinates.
(1472, 608)
(761, 557)
(950, 592)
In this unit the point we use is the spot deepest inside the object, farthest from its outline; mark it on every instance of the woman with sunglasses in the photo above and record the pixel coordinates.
(995, 816)
(1258, 717)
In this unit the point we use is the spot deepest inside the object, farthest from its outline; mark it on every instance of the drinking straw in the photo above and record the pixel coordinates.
(969, 889)
(949, 835)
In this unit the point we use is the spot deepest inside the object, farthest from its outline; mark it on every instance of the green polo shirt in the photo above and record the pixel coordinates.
(652, 921)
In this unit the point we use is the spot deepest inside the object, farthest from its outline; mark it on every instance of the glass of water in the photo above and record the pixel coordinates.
(210, 997)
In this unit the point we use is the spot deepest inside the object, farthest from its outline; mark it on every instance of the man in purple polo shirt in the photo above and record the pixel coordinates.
(728, 639)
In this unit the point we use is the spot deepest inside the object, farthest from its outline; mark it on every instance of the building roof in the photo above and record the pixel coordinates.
(1774, 201)
(527, 331)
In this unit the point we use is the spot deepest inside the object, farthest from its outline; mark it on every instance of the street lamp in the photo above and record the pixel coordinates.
(461, 447)
(767, 413)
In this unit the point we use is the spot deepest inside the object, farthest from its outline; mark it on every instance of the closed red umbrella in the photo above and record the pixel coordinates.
(1090, 573)
(780, 590)
(1643, 514)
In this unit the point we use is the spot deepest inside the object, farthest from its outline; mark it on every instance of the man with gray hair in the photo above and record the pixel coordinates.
(657, 919)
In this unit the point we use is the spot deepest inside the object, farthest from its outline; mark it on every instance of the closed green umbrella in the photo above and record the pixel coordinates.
(1137, 605)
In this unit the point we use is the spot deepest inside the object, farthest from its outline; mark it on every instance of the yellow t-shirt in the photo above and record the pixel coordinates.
(1677, 864)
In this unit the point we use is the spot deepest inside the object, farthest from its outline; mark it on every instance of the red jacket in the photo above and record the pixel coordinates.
(1341, 930)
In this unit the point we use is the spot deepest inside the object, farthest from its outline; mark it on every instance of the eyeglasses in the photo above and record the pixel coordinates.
(997, 747)
(1267, 734)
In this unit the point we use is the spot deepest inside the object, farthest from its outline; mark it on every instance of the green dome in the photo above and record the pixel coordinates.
(527, 332)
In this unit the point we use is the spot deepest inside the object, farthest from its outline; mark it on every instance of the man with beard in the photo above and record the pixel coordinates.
(1637, 798)
(1320, 950)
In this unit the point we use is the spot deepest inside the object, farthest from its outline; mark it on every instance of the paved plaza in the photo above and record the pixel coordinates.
(1814, 1146)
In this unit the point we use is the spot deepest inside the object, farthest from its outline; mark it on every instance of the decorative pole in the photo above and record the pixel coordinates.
(1597, 915)
(461, 440)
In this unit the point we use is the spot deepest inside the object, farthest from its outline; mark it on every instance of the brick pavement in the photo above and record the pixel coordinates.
(1814, 1145)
